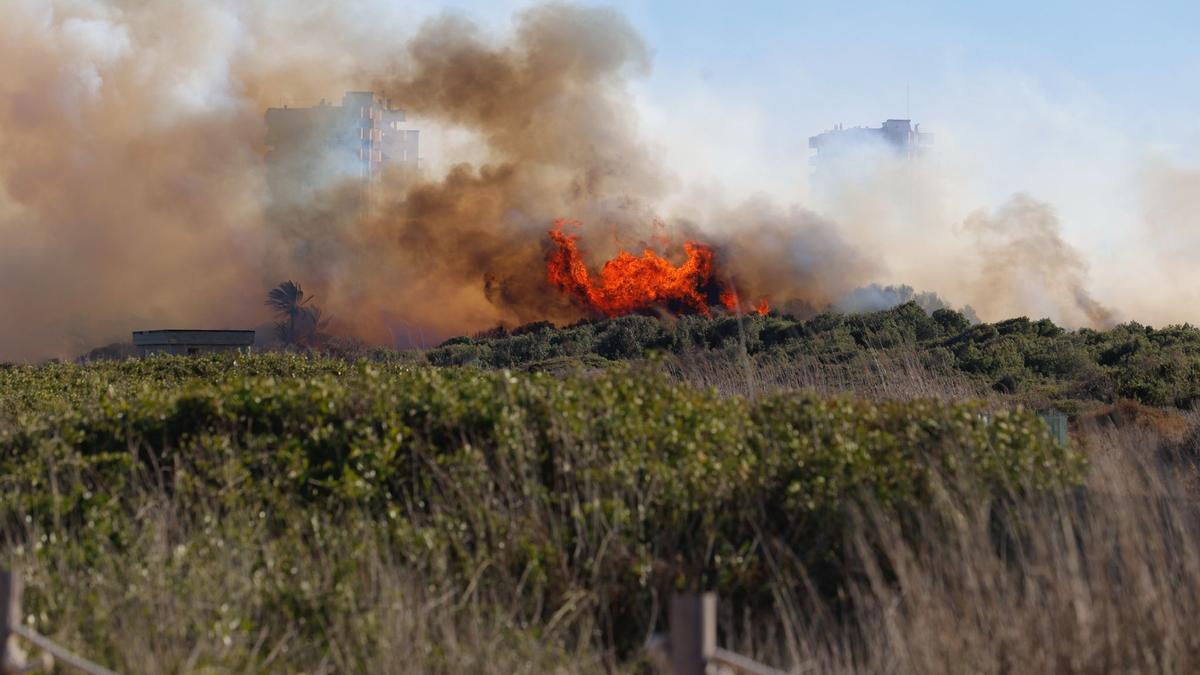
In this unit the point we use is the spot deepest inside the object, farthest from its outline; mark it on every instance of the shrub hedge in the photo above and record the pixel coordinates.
(615, 487)
(1159, 367)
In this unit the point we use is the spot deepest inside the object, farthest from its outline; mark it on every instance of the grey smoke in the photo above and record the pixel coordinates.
(874, 297)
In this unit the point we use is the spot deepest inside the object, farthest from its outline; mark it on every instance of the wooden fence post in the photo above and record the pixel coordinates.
(693, 631)
(12, 657)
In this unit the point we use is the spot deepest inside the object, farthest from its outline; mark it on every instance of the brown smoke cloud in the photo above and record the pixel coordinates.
(131, 183)
(133, 191)
(790, 255)
(551, 105)
(551, 108)
(116, 205)
(1028, 268)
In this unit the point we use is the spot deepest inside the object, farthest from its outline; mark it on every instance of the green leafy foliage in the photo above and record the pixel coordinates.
(1034, 359)
(615, 487)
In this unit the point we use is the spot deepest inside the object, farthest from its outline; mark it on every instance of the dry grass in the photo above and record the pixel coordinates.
(188, 598)
(877, 375)
(1104, 579)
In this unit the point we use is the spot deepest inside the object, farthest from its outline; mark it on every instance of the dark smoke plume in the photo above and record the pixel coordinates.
(553, 110)
(133, 192)
(467, 250)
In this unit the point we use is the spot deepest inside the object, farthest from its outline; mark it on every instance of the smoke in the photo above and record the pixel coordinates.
(552, 107)
(131, 182)
(110, 173)
(1164, 288)
(790, 255)
(874, 297)
(551, 110)
(1028, 268)
(923, 212)
(133, 188)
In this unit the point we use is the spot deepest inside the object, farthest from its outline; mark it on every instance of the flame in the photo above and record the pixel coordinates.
(733, 303)
(630, 283)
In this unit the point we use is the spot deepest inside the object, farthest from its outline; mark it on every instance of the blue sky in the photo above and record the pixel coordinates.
(812, 64)
(855, 59)
(1062, 100)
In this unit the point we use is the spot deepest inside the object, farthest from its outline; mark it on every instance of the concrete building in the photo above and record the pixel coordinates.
(190, 342)
(327, 166)
(357, 139)
(324, 162)
(902, 136)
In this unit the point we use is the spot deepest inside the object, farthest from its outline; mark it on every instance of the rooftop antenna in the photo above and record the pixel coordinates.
(907, 101)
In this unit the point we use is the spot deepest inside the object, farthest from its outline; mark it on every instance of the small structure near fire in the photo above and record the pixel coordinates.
(190, 342)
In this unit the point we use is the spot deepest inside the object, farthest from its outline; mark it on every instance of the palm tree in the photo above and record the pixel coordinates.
(290, 305)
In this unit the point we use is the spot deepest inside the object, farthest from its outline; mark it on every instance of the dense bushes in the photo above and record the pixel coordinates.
(1017, 356)
(598, 493)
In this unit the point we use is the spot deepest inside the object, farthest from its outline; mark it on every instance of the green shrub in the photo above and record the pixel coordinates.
(1155, 366)
(617, 487)
(629, 337)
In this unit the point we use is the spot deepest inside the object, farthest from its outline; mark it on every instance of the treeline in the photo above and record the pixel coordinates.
(1020, 357)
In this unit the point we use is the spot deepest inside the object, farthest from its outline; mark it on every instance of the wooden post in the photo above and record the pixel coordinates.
(693, 631)
(12, 657)
(1057, 422)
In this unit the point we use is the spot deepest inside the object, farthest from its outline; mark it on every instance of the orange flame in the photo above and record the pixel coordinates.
(630, 283)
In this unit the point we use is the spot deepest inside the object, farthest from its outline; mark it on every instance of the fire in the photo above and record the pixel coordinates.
(629, 283)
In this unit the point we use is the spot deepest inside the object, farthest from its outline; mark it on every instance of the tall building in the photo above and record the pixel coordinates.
(328, 167)
(902, 136)
(328, 146)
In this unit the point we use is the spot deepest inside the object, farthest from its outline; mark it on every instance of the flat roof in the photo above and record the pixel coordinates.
(194, 330)
(193, 336)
